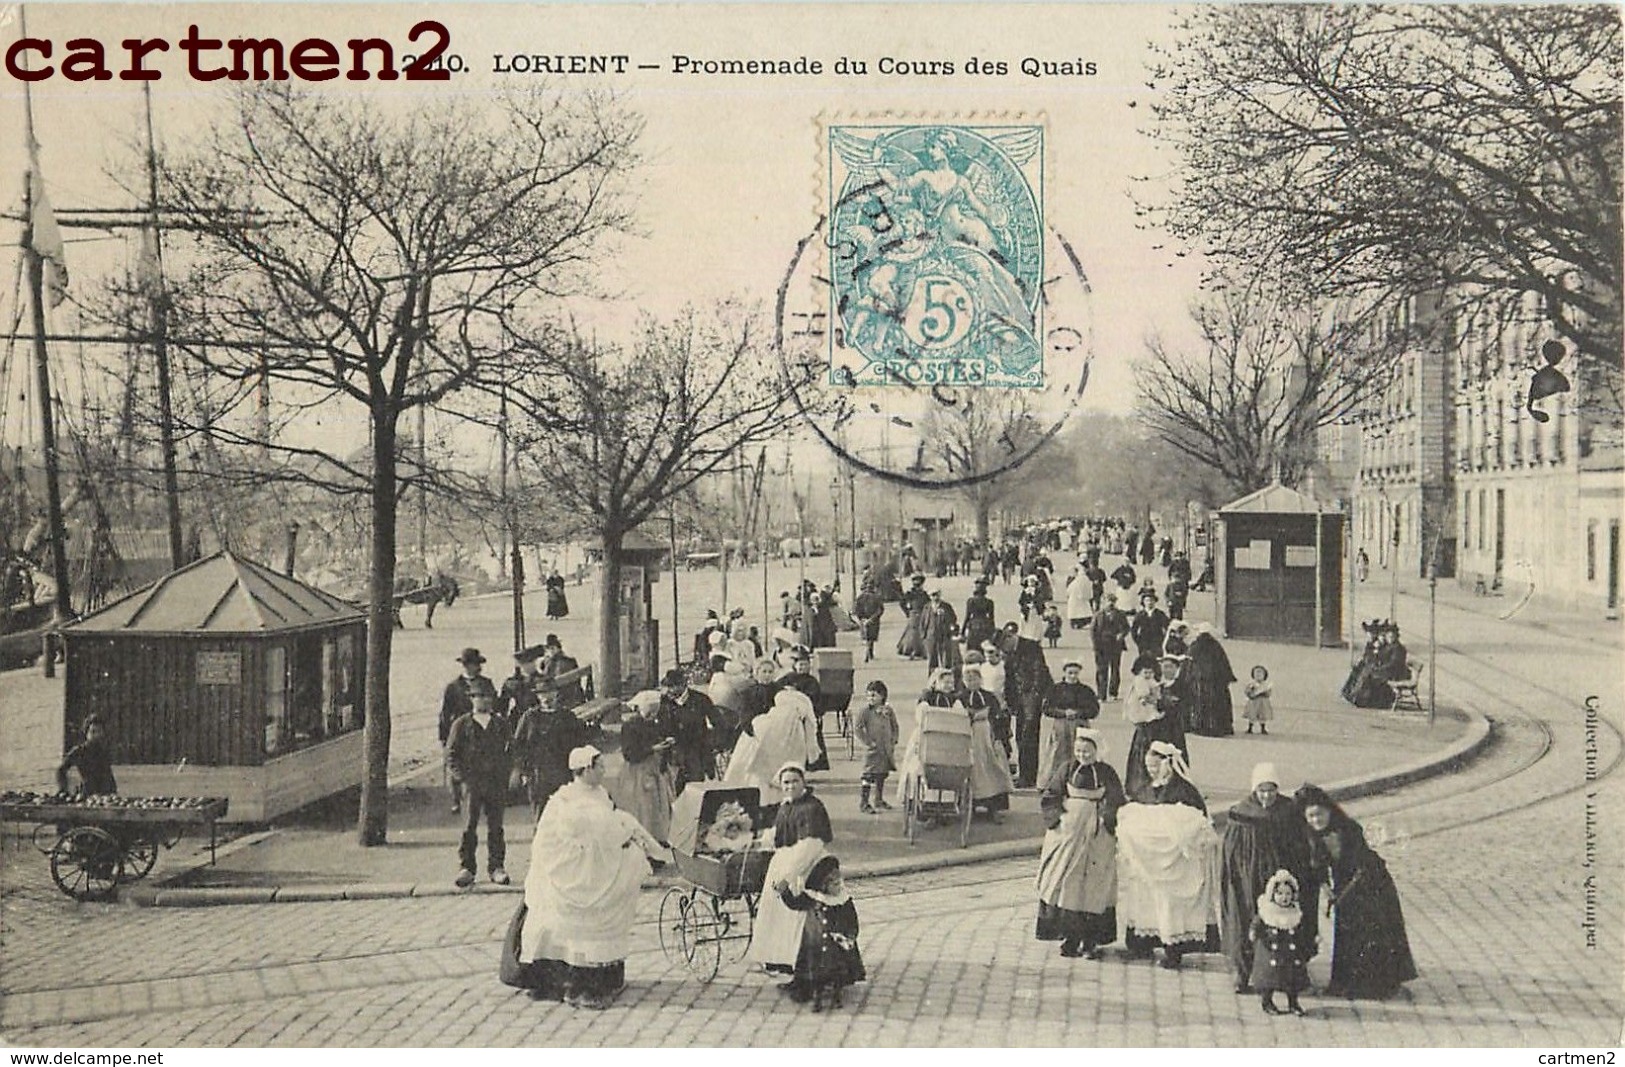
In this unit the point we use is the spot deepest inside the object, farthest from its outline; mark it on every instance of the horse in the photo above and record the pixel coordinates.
(442, 589)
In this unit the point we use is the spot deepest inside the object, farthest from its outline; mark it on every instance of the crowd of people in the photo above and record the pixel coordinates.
(1130, 854)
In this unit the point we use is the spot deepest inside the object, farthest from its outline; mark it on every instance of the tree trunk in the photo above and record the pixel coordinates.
(373, 825)
(984, 513)
(608, 674)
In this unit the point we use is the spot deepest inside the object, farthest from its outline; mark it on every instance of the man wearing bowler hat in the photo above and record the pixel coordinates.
(698, 727)
(457, 701)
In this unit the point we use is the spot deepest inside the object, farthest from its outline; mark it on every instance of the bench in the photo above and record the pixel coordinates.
(1406, 690)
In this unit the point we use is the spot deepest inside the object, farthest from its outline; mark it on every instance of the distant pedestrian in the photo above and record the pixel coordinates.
(1109, 634)
(875, 728)
(1362, 565)
(1258, 690)
(477, 751)
(1052, 625)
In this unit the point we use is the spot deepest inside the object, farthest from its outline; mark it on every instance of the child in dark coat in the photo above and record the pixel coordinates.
(828, 961)
(1280, 949)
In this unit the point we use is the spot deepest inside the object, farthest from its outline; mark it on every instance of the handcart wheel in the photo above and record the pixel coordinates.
(87, 863)
(911, 810)
(140, 854)
(672, 907)
(702, 941)
(967, 805)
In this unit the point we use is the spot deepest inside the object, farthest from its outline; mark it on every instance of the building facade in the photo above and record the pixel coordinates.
(1539, 501)
(1450, 454)
(1402, 492)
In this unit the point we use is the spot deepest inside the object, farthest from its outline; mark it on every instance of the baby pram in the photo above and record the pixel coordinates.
(936, 768)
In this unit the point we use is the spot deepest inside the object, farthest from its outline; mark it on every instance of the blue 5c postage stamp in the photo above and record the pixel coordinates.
(936, 254)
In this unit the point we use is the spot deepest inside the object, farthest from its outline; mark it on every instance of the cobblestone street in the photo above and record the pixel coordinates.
(1496, 874)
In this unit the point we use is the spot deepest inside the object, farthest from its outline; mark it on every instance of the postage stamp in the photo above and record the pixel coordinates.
(936, 254)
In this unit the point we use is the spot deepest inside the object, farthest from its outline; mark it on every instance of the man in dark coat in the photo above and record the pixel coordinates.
(542, 743)
(867, 609)
(696, 724)
(1180, 568)
(1109, 634)
(457, 701)
(941, 634)
(1149, 626)
(1027, 681)
(1124, 575)
(562, 676)
(478, 753)
(520, 690)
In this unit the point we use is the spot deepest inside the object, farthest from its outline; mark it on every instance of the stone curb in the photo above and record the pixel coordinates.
(1477, 736)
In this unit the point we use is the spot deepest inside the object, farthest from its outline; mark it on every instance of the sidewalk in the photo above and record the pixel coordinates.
(1316, 737)
(1511, 605)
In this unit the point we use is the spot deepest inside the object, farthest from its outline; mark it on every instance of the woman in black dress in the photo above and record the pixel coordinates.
(1371, 956)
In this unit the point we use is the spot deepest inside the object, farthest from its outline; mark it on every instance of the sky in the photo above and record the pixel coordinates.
(733, 173)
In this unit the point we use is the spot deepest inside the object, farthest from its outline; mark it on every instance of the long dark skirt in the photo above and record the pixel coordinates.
(1371, 956)
(1169, 729)
(558, 605)
(1088, 929)
(555, 979)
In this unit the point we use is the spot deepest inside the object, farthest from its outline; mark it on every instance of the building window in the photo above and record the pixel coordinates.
(1591, 551)
(1466, 518)
(1483, 498)
(276, 700)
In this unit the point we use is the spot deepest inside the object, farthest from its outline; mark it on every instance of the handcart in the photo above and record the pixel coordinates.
(936, 771)
(94, 843)
(834, 671)
(712, 914)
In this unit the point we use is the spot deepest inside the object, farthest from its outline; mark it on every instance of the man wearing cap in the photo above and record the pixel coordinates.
(867, 609)
(1068, 705)
(1109, 634)
(519, 690)
(1264, 834)
(542, 742)
(693, 721)
(1149, 626)
(478, 753)
(587, 865)
(941, 634)
(801, 680)
(457, 701)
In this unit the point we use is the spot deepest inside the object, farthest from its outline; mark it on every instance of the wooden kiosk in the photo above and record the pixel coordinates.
(224, 679)
(1279, 564)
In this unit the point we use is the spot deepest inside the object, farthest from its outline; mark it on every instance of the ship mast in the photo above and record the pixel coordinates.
(35, 261)
(159, 308)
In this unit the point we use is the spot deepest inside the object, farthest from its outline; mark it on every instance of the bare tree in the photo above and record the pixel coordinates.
(363, 259)
(993, 443)
(1376, 148)
(618, 434)
(1266, 375)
